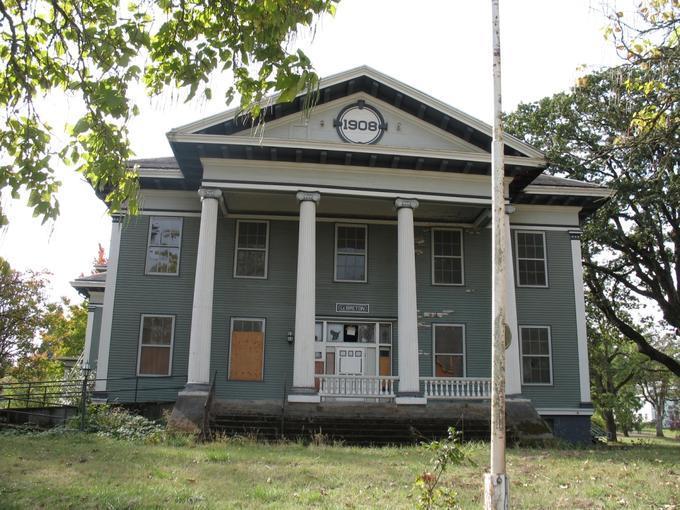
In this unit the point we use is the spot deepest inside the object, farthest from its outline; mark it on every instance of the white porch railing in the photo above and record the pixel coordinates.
(357, 386)
(456, 387)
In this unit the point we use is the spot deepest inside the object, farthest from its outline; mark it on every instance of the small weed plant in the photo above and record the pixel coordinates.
(430, 490)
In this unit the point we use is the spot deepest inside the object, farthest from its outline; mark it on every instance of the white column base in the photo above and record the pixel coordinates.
(410, 401)
(305, 399)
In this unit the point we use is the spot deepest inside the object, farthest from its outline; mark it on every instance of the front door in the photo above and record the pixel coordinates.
(350, 361)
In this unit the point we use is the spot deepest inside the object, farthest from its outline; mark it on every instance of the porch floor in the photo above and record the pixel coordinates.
(367, 423)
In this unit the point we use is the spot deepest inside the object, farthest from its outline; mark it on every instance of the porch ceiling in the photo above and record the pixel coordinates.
(330, 206)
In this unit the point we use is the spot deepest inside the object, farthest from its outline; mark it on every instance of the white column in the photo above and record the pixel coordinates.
(513, 377)
(107, 311)
(579, 302)
(202, 310)
(88, 334)
(407, 313)
(305, 302)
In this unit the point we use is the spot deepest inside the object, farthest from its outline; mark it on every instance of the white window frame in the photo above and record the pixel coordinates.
(336, 253)
(461, 257)
(266, 250)
(139, 344)
(549, 355)
(179, 247)
(434, 348)
(262, 320)
(517, 258)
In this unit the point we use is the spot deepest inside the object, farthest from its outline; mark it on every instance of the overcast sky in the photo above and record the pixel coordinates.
(440, 47)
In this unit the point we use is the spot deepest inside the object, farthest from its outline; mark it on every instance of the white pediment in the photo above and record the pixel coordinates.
(404, 131)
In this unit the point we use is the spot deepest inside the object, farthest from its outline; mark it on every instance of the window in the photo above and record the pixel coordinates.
(350, 253)
(246, 352)
(449, 350)
(536, 355)
(447, 256)
(532, 270)
(252, 246)
(165, 239)
(155, 345)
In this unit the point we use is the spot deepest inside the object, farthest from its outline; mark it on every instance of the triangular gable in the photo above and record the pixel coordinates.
(442, 127)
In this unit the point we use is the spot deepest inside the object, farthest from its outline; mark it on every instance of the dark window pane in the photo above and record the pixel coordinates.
(351, 239)
(154, 360)
(447, 243)
(448, 339)
(535, 341)
(250, 263)
(531, 272)
(536, 370)
(448, 366)
(448, 270)
(248, 326)
(386, 333)
(252, 235)
(351, 267)
(367, 333)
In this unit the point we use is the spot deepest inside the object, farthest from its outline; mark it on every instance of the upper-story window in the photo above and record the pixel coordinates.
(447, 256)
(536, 354)
(532, 269)
(164, 244)
(252, 247)
(350, 253)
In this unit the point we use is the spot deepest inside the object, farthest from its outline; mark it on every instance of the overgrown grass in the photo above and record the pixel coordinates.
(86, 471)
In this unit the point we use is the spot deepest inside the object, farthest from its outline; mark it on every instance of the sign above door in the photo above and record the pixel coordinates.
(360, 123)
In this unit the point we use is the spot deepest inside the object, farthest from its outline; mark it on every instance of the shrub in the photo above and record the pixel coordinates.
(116, 422)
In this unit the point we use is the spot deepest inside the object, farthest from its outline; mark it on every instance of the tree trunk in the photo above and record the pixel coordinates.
(659, 421)
(610, 423)
(626, 432)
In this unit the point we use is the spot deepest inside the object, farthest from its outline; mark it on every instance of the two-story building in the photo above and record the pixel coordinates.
(342, 254)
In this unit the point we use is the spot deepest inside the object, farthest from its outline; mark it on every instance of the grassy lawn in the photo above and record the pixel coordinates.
(86, 471)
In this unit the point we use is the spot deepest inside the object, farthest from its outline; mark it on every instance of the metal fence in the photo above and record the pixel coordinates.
(51, 402)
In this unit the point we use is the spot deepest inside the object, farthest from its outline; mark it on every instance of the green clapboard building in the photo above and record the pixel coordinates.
(340, 258)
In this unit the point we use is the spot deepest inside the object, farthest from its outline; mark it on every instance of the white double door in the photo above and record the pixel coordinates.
(351, 360)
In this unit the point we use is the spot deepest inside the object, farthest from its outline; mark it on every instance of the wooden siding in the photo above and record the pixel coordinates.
(274, 300)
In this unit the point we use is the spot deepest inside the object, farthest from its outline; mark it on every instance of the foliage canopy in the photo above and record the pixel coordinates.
(96, 50)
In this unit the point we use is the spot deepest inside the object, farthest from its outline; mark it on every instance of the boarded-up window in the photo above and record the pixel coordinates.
(449, 350)
(246, 355)
(155, 344)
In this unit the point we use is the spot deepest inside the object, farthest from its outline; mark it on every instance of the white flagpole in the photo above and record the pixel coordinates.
(496, 482)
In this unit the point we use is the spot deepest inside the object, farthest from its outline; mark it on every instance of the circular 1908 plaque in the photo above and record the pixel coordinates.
(360, 123)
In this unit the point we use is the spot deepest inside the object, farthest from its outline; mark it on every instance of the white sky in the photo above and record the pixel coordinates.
(440, 47)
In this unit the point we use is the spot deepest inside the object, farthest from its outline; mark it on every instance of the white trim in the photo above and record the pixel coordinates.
(550, 411)
(430, 101)
(160, 173)
(344, 147)
(518, 258)
(179, 214)
(541, 228)
(79, 284)
(571, 191)
(461, 257)
(149, 246)
(453, 199)
(335, 253)
(107, 309)
(434, 348)
(581, 330)
(266, 251)
(361, 221)
(87, 350)
(261, 320)
(139, 344)
(549, 355)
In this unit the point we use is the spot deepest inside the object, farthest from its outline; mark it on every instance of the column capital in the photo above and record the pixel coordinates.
(408, 203)
(308, 196)
(575, 235)
(210, 193)
(117, 218)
